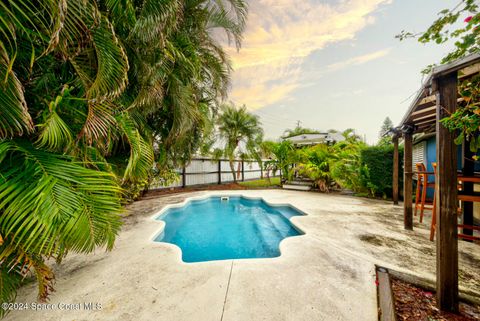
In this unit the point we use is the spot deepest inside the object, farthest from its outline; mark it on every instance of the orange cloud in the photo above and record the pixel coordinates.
(281, 34)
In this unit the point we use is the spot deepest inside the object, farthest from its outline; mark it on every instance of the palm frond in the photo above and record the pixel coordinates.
(14, 117)
(156, 20)
(50, 203)
(112, 64)
(55, 135)
(140, 162)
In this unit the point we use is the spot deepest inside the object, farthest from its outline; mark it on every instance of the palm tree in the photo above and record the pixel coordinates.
(236, 126)
(284, 157)
(87, 89)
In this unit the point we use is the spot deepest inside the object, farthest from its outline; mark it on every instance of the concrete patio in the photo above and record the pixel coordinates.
(326, 274)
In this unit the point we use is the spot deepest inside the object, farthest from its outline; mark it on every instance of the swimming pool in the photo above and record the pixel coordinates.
(236, 228)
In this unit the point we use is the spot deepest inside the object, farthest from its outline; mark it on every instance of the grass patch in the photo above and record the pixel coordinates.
(262, 183)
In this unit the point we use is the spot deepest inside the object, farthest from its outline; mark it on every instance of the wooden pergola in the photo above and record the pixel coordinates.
(437, 99)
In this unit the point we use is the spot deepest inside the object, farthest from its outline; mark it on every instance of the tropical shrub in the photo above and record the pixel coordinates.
(315, 163)
(347, 167)
(283, 159)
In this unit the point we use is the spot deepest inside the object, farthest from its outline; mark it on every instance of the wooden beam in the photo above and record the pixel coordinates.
(468, 71)
(446, 198)
(407, 182)
(426, 100)
(431, 120)
(422, 118)
(385, 296)
(427, 128)
(395, 170)
(421, 112)
(453, 67)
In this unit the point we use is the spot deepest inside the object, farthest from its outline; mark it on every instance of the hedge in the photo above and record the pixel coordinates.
(377, 170)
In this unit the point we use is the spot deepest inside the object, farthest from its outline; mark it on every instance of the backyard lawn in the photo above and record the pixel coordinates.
(262, 183)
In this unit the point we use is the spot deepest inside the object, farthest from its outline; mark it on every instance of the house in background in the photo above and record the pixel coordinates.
(315, 139)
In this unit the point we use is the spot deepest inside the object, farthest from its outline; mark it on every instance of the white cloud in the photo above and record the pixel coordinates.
(281, 34)
(358, 60)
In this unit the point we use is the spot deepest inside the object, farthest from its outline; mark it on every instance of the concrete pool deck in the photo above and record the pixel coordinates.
(326, 274)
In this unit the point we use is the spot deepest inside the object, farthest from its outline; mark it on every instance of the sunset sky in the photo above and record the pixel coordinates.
(332, 64)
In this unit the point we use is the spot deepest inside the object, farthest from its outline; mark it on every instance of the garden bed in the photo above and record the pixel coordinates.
(413, 303)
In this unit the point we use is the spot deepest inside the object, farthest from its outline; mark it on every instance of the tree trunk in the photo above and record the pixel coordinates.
(239, 170)
(232, 168)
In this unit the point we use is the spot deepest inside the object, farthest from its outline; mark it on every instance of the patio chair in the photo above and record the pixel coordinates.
(475, 197)
(421, 193)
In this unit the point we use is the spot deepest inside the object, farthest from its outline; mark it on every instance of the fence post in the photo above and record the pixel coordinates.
(184, 177)
(243, 170)
(219, 171)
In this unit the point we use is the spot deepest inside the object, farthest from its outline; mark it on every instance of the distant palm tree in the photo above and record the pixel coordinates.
(237, 125)
(350, 135)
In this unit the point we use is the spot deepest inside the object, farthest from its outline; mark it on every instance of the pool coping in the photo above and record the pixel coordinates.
(187, 200)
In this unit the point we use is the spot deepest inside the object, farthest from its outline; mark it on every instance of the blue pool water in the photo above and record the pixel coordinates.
(212, 229)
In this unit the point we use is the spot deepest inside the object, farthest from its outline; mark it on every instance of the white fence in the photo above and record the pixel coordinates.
(202, 171)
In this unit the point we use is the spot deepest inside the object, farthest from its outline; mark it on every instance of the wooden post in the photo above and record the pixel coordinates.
(395, 170)
(468, 170)
(219, 171)
(407, 181)
(184, 176)
(446, 198)
(243, 170)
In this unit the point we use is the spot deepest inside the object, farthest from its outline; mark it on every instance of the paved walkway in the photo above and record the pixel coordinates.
(327, 274)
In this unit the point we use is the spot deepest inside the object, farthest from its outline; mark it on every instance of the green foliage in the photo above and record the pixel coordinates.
(376, 170)
(235, 126)
(98, 98)
(315, 163)
(50, 205)
(347, 167)
(466, 37)
(348, 164)
(284, 157)
(465, 121)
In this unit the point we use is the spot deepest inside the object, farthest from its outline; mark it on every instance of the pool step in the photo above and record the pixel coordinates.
(299, 181)
(265, 221)
(297, 187)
